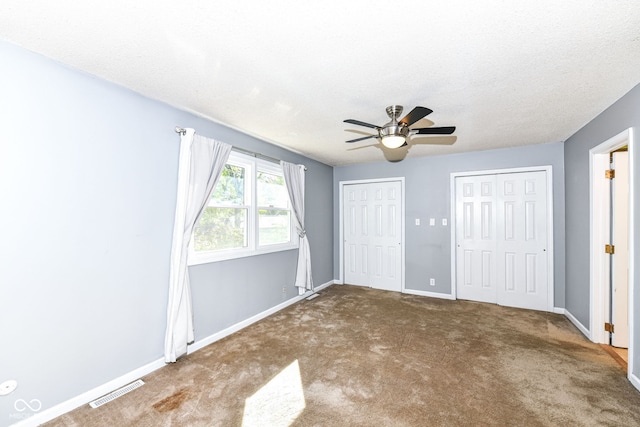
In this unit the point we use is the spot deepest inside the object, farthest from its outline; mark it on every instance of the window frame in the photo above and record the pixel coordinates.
(252, 166)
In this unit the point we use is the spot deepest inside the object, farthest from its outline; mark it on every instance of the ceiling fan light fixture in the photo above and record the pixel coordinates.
(393, 141)
(393, 135)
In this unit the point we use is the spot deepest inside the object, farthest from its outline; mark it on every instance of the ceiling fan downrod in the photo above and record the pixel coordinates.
(394, 111)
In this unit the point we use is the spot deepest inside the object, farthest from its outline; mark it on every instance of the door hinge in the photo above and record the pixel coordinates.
(609, 249)
(610, 174)
(608, 327)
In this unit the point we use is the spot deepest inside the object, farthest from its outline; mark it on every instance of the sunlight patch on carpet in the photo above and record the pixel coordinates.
(277, 403)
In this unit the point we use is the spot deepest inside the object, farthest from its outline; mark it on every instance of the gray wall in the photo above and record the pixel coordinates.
(623, 114)
(427, 191)
(87, 187)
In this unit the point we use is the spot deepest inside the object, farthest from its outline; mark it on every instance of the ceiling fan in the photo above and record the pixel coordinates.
(395, 133)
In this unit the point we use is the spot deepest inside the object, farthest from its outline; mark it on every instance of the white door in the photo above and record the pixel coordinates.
(476, 237)
(501, 239)
(373, 234)
(620, 259)
(522, 240)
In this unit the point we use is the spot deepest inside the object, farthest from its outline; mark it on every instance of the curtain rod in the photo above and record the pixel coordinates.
(183, 131)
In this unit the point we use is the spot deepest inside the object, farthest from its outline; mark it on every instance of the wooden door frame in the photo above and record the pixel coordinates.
(341, 185)
(550, 269)
(599, 261)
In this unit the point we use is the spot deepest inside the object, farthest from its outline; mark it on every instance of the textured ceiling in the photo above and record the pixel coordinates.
(506, 73)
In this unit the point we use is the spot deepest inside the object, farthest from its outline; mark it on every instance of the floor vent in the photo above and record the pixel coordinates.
(312, 296)
(116, 394)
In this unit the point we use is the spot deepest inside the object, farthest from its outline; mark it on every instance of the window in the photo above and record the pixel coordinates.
(274, 215)
(248, 213)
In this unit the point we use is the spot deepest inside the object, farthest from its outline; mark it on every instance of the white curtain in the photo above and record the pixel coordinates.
(201, 163)
(294, 178)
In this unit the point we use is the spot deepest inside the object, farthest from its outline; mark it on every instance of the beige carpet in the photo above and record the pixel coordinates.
(362, 357)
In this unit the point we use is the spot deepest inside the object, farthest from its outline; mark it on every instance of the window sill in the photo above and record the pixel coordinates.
(206, 258)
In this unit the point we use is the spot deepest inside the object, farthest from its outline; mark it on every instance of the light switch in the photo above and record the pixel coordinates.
(432, 221)
(444, 221)
(417, 221)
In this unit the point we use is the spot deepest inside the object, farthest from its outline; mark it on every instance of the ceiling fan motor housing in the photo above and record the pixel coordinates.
(394, 129)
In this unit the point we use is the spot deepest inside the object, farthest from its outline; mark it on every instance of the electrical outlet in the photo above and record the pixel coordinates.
(432, 282)
(284, 289)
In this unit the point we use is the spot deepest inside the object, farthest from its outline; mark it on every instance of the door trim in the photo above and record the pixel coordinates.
(341, 185)
(598, 161)
(550, 269)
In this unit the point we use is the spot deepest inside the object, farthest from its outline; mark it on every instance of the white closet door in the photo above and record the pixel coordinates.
(373, 234)
(501, 239)
(476, 237)
(356, 235)
(522, 240)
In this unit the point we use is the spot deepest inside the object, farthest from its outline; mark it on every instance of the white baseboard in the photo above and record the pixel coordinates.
(84, 398)
(428, 294)
(634, 380)
(577, 324)
(416, 292)
(253, 319)
(355, 284)
(559, 310)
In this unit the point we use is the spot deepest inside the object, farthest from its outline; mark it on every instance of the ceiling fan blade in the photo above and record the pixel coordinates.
(360, 147)
(363, 132)
(359, 123)
(362, 139)
(446, 130)
(422, 123)
(433, 140)
(415, 115)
